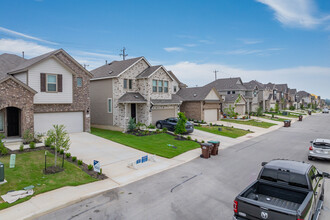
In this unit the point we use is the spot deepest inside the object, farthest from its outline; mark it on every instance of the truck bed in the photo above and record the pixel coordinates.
(274, 201)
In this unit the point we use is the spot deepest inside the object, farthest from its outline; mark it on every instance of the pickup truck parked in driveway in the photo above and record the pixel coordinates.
(284, 190)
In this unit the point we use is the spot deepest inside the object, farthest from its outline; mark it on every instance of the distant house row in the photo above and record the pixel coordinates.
(55, 89)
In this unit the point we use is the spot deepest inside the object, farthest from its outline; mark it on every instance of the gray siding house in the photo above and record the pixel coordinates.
(132, 88)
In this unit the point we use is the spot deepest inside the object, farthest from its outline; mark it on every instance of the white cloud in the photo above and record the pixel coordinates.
(17, 34)
(296, 13)
(190, 45)
(206, 41)
(173, 49)
(250, 41)
(16, 46)
(310, 78)
(259, 52)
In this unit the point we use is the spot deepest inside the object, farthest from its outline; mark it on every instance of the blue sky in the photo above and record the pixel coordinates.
(269, 40)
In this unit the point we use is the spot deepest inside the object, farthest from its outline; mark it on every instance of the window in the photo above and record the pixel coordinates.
(228, 92)
(165, 86)
(2, 121)
(109, 105)
(160, 86)
(233, 92)
(130, 82)
(125, 83)
(79, 82)
(51, 83)
(174, 88)
(154, 85)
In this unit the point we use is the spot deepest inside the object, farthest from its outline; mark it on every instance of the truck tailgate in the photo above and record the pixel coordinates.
(252, 211)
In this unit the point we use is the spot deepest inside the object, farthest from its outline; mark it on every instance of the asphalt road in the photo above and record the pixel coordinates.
(205, 189)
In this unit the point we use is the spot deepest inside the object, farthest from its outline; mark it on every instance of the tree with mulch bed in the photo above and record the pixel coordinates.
(180, 127)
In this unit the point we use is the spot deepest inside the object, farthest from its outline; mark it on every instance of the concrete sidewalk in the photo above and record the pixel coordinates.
(117, 171)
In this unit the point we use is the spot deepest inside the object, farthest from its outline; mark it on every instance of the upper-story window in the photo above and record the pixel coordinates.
(154, 85)
(125, 83)
(79, 81)
(228, 92)
(130, 84)
(174, 88)
(2, 120)
(233, 92)
(255, 92)
(165, 86)
(160, 86)
(282, 95)
(51, 83)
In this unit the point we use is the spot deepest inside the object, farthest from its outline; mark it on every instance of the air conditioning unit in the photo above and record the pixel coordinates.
(2, 172)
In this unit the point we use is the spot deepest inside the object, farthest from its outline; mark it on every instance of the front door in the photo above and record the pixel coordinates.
(133, 111)
(13, 121)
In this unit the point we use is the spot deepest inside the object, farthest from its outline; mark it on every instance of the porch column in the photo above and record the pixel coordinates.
(264, 105)
(125, 123)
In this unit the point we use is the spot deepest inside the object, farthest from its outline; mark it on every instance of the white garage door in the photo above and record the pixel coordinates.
(210, 115)
(73, 121)
(161, 114)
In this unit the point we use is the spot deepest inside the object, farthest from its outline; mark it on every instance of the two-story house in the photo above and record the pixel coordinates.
(282, 95)
(37, 93)
(293, 98)
(255, 94)
(270, 94)
(232, 91)
(133, 88)
(303, 98)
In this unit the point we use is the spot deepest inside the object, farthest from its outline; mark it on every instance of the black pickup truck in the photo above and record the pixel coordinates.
(284, 190)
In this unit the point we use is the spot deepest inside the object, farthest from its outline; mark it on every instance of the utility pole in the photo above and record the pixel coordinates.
(23, 54)
(215, 74)
(123, 53)
(85, 65)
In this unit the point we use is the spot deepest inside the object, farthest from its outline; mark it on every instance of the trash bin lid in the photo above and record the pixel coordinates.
(206, 144)
(214, 142)
(287, 120)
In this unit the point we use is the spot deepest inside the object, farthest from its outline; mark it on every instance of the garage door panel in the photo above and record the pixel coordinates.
(73, 121)
(210, 115)
(161, 114)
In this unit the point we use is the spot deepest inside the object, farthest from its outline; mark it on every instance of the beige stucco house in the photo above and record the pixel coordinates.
(42, 91)
(132, 88)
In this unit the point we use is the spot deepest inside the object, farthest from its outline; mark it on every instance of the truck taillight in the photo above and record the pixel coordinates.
(311, 148)
(300, 219)
(235, 206)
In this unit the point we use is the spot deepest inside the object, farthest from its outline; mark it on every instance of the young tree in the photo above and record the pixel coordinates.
(180, 127)
(59, 138)
(277, 108)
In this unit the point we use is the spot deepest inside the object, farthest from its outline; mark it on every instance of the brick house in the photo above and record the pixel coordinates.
(133, 88)
(36, 93)
(200, 103)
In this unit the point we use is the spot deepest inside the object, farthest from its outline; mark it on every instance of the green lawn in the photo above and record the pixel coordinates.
(29, 171)
(274, 119)
(280, 114)
(153, 144)
(226, 131)
(251, 122)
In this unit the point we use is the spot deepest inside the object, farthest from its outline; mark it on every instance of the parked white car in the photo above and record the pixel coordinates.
(319, 149)
(325, 110)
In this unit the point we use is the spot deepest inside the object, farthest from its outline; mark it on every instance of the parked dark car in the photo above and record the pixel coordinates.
(170, 124)
(284, 190)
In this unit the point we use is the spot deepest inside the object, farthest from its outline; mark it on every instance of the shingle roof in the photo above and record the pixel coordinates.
(147, 72)
(270, 86)
(282, 87)
(252, 84)
(114, 68)
(292, 91)
(8, 62)
(232, 97)
(194, 93)
(227, 84)
(132, 97)
(174, 100)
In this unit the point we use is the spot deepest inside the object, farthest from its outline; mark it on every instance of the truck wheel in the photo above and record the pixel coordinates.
(310, 158)
(322, 196)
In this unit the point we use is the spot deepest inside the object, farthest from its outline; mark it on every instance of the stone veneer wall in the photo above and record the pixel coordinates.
(81, 96)
(13, 94)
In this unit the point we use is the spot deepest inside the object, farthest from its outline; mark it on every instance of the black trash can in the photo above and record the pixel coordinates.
(300, 118)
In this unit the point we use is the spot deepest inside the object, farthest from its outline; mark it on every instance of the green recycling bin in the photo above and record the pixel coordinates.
(2, 172)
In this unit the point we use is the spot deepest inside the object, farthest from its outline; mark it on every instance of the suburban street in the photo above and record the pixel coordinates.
(205, 189)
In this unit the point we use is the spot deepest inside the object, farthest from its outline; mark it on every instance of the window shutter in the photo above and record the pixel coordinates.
(42, 82)
(60, 83)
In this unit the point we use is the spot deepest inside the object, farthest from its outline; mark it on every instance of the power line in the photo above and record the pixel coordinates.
(123, 53)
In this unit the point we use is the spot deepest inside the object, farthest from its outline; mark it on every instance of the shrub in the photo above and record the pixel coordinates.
(180, 127)
(68, 155)
(90, 167)
(48, 142)
(74, 159)
(277, 108)
(210, 124)
(61, 151)
(131, 124)
(203, 141)
(292, 108)
(165, 130)
(100, 171)
(80, 162)
(189, 138)
(21, 147)
(271, 109)
(32, 145)
(139, 125)
(38, 137)
(28, 136)
(4, 151)
(151, 126)
(196, 140)
(52, 147)
(259, 111)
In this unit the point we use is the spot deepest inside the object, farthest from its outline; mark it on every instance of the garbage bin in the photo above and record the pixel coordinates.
(300, 118)
(215, 149)
(287, 123)
(206, 150)
(309, 112)
(284, 113)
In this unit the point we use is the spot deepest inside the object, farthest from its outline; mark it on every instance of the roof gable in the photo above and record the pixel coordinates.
(226, 84)
(18, 82)
(196, 93)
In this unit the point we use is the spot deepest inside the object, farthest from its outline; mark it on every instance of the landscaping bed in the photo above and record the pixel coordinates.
(274, 119)
(162, 144)
(251, 122)
(280, 114)
(225, 131)
(29, 170)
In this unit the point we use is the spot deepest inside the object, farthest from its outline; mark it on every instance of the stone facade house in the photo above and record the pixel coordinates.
(293, 98)
(133, 88)
(303, 99)
(37, 93)
(237, 101)
(282, 95)
(229, 88)
(201, 103)
(255, 95)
